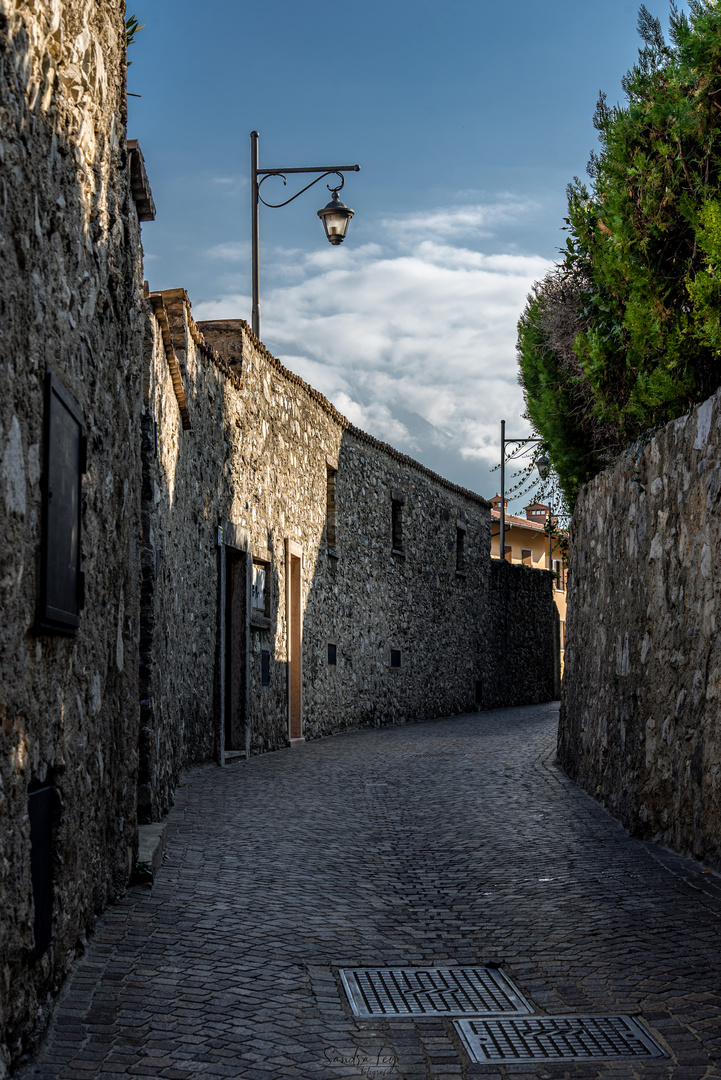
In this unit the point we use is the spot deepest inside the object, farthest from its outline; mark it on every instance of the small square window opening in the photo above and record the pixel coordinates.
(331, 655)
(395, 658)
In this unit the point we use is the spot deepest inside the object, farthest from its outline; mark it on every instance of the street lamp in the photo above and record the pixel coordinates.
(543, 465)
(335, 215)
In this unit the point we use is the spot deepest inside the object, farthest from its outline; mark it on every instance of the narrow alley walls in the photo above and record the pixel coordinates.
(69, 458)
(640, 725)
(299, 577)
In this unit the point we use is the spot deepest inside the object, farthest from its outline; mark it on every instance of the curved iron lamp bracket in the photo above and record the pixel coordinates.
(331, 172)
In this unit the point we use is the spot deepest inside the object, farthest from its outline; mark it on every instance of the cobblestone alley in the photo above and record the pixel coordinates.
(456, 843)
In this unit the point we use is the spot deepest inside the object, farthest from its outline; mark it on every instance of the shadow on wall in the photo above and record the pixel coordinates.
(524, 643)
(69, 281)
(301, 578)
(191, 424)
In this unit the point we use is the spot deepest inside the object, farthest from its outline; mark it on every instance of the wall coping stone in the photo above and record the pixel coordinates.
(161, 314)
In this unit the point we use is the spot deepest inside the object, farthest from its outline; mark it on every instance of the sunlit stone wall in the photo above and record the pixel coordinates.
(640, 724)
(254, 451)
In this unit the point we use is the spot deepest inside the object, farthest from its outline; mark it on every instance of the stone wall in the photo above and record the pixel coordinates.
(254, 569)
(640, 725)
(69, 300)
(234, 439)
(523, 641)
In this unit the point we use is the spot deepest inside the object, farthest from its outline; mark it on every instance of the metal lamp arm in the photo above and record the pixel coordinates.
(329, 172)
(258, 177)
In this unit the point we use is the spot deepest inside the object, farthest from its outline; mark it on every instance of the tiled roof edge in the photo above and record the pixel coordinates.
(180, 295)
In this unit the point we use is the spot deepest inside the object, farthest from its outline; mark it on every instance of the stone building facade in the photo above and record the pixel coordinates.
(201, 558)
(70, 316)
(280, 543)
(640, 718)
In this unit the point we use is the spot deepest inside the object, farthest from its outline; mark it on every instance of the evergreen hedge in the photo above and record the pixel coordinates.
(625, 333)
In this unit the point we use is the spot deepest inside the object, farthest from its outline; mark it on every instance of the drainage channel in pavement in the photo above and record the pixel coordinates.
(495, 1024)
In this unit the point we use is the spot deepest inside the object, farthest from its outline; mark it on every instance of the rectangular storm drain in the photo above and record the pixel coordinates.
(475, 991)
(556, 1038)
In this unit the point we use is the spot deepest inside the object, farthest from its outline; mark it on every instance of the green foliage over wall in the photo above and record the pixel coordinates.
(625, 334)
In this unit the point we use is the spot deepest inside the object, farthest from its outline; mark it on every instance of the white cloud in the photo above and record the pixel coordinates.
(230, 252)
(470, 220)
(401, 337)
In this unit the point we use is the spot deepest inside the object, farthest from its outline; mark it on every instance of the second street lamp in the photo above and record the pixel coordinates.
(335, 215)
(542, 464)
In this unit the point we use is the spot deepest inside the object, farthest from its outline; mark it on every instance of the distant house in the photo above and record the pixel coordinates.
(526, 541)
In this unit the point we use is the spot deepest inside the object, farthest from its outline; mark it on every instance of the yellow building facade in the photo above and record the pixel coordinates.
(526, 541)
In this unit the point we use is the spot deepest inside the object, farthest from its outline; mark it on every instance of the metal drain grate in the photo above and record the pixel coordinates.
(475, 991)
(556, 1038)
(439, 754)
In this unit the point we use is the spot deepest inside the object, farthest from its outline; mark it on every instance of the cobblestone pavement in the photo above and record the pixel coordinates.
(453, 842)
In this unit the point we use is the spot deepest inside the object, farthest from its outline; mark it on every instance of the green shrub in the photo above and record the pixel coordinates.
(642, 260)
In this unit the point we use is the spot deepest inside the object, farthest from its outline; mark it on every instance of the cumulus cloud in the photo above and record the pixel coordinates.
(413, 342)
(477, 219)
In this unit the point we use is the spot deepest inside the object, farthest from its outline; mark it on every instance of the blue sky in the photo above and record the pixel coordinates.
(468, 119)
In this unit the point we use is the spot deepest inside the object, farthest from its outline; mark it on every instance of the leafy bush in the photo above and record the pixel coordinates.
(625, 334)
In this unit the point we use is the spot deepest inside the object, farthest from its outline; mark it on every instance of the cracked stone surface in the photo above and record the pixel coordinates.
(450, 842)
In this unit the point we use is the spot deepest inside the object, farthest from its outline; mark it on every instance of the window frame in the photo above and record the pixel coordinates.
(263, 560)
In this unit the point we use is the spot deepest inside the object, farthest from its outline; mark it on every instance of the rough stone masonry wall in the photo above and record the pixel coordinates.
(68, 294)
(524, 637)
(256, 455)
(361, 597)
(641, 714)
(191, 457)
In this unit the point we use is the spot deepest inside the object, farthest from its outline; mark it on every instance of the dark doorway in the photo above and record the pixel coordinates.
(236, 642)
(40, 809)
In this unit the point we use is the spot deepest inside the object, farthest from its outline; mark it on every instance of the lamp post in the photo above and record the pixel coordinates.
(543, 465)
(335, 215)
